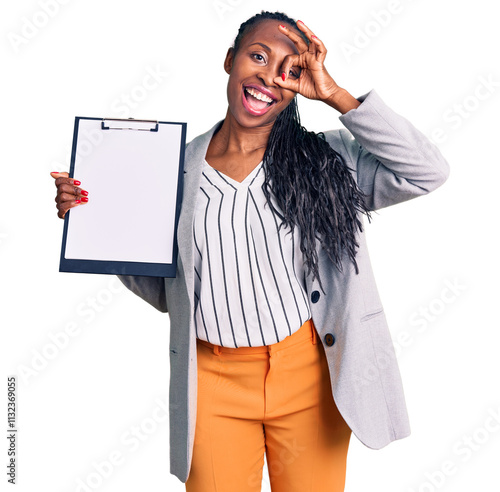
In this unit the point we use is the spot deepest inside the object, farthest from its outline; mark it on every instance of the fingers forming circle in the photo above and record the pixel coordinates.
(316, 49)
(297, 40)
(320, 49)
(288, 62)
(316, 46)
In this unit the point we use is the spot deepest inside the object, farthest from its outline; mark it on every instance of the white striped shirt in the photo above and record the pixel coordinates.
(249, 277)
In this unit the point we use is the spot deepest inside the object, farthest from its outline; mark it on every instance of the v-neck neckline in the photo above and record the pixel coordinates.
(238, 184)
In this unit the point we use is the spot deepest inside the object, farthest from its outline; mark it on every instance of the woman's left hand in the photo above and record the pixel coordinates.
(314, 82)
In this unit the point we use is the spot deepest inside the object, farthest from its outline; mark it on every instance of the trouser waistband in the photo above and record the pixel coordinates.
(306, 332)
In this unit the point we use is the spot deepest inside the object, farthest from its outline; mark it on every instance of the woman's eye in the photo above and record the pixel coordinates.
(258, 57)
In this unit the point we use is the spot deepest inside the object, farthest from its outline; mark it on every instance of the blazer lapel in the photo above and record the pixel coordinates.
(194, 157)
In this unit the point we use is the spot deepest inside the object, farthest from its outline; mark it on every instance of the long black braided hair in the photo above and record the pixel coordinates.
(310, 181)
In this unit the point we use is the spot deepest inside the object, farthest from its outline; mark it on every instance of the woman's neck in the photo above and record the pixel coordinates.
(232, 138)
(235, 150)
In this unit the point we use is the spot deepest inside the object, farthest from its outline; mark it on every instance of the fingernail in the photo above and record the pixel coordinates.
(76, 182)
(300, 22)
(313, 36)
(77, 201)
(281, 25)
(84, 193)
(85, 199)
(54, 172)
(283, 76)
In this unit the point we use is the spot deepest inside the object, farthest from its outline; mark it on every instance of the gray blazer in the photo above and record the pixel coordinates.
(392, 162)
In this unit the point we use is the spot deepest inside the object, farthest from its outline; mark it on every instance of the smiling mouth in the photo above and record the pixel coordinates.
(256, 102)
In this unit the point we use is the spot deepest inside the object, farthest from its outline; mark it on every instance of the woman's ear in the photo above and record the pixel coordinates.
(228, 62)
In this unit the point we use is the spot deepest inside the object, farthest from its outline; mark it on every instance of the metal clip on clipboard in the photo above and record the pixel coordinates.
(104, 127)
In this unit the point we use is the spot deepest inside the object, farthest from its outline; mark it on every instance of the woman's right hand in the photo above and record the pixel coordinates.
(69, 194)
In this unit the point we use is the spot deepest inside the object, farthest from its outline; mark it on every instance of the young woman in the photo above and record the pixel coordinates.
(279, 343)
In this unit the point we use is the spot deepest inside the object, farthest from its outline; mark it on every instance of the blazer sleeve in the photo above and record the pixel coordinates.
(151, 289)
(392, 159)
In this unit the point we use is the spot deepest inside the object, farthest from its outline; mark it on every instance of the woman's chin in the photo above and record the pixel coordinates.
(244, 119)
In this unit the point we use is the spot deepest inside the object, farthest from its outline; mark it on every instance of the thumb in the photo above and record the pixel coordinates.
(288, 83)
(57, 174)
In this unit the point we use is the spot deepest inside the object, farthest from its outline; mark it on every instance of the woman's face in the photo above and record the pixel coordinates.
(254, 98)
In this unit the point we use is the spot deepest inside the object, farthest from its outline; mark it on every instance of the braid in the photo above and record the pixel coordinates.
(311, 183)
(314, 189)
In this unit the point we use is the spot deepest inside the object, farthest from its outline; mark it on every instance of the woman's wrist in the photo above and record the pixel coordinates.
(342, 101)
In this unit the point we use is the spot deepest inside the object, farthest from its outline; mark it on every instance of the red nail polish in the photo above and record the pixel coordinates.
(54, 172)
(283, 76)
(300, 22)
(281, 25)
(77, 201)
(313, 36)
(84, 193)
(85, 199)
(76, 182)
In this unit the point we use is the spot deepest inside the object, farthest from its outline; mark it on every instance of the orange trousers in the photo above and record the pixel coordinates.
(274, 399)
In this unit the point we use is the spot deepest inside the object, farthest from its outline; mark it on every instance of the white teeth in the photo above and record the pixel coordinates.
(258, 95)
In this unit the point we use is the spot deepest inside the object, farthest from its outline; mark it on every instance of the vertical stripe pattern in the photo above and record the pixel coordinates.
(249, 275)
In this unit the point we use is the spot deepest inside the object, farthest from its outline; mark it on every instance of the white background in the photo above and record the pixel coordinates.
(79, 404)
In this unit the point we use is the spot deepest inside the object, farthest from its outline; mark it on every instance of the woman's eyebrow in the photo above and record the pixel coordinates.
(263, 45)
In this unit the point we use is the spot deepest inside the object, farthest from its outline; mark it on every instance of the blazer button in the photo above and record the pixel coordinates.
(329, 339)
(315, 296)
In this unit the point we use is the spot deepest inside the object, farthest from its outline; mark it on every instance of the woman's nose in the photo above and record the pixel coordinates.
(268, 75)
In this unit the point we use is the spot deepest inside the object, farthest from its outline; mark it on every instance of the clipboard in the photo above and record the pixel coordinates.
(133, 172)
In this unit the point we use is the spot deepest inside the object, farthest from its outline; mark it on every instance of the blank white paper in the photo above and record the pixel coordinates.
(131, 177)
